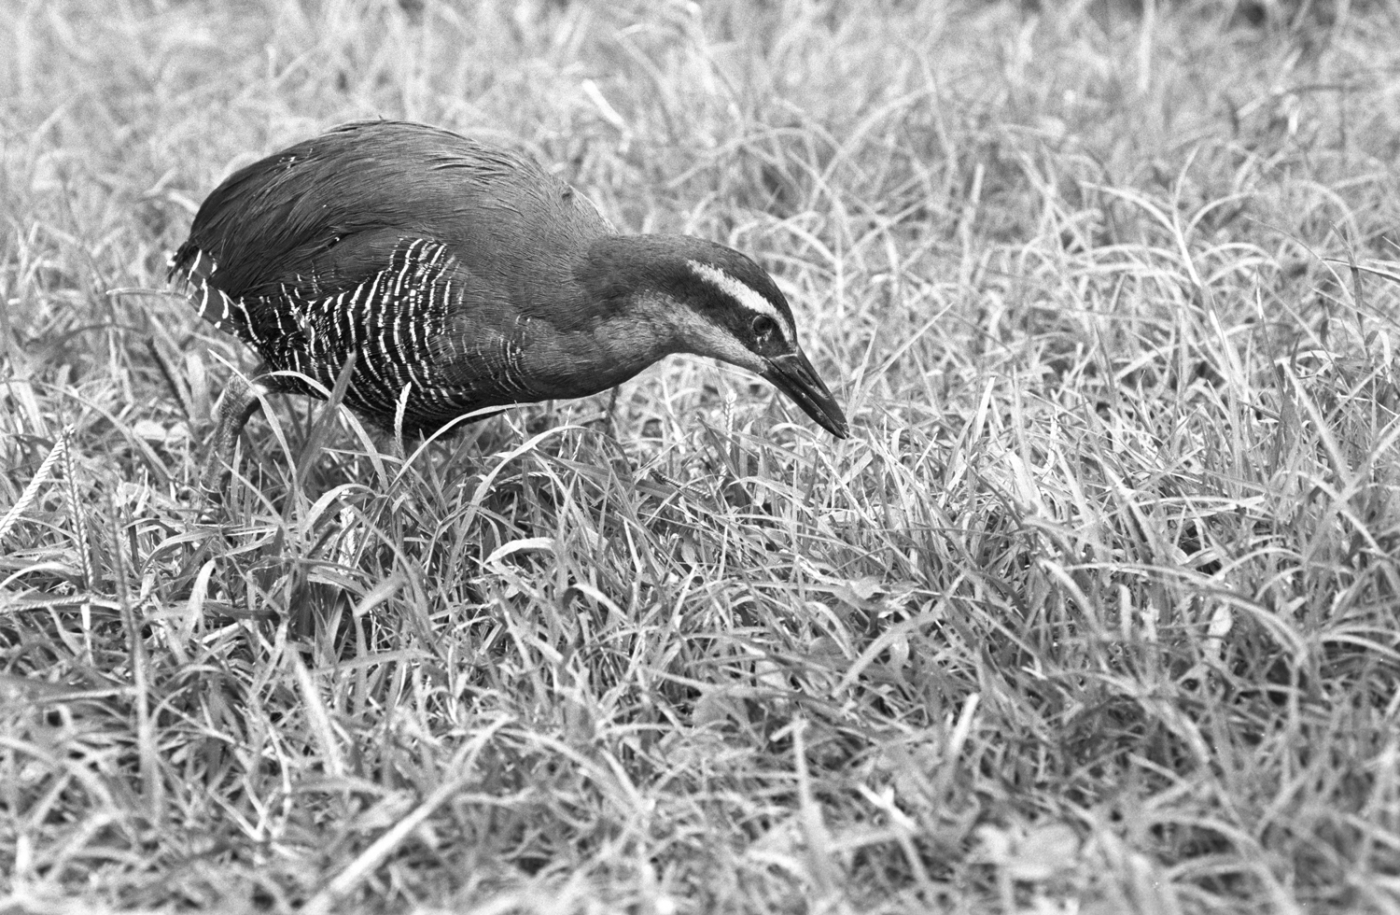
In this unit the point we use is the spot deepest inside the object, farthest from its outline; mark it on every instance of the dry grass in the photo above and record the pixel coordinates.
(1096, 612)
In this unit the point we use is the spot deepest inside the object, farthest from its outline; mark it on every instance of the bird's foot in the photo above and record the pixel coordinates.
(236, 405)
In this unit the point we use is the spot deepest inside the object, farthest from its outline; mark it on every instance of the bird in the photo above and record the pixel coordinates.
(449, 276)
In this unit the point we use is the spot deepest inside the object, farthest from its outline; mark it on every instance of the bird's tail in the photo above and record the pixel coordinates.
(188, 265)
(192, 271)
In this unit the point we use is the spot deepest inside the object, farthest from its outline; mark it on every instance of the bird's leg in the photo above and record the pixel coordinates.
(608, 426)
(236, 405)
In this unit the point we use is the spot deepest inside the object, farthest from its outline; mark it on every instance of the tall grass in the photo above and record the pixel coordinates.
(1096, 611)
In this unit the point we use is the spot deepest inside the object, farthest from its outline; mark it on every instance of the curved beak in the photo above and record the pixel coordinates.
(794, 376)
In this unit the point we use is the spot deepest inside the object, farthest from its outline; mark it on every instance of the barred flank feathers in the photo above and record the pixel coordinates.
(390, 319)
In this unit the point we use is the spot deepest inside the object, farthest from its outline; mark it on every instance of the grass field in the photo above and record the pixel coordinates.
(1097, 611)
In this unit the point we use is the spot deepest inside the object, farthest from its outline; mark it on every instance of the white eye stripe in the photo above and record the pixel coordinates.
(742, 293)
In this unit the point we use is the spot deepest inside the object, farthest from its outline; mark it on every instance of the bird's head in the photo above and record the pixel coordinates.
(718, 302)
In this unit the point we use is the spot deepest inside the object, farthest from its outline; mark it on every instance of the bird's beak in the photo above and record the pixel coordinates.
(794, 376)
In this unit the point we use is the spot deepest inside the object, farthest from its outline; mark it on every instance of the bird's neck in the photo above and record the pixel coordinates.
(625, 318)
(624, 281)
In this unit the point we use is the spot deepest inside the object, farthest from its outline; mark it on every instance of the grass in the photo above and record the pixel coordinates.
(1095, 612)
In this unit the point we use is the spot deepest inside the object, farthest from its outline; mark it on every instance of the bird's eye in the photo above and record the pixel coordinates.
(764, 326)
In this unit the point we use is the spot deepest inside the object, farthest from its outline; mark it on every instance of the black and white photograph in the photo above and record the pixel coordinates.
(673, 457)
